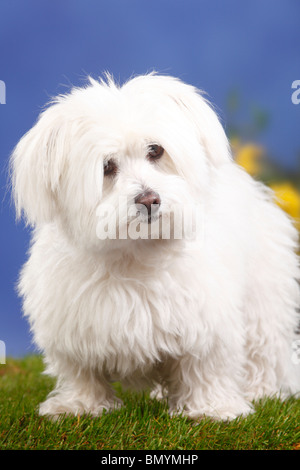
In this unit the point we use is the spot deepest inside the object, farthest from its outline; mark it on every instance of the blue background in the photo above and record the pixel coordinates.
(48, 45)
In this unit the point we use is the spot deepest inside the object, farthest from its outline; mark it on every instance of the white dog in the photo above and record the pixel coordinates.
(209, 319)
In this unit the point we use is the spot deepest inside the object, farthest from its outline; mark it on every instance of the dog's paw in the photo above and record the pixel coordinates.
(158, 393)
(217, 413)
(57, 406)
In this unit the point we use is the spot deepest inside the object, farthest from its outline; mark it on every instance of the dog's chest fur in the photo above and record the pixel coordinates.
(140, 317)
(123, 318)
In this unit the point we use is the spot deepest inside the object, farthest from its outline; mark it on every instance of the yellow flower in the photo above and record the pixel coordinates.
(288, 198)
(249, 156)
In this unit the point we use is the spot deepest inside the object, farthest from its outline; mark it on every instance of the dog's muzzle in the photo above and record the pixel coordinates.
(151, 200)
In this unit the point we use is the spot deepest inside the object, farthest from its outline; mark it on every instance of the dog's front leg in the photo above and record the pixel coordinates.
(86, 392)
(200, 388)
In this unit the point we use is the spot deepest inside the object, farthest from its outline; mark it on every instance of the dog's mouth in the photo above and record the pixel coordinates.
(149, 218)
(154, 218)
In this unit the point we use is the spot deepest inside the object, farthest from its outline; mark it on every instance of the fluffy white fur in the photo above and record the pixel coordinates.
(210, 321)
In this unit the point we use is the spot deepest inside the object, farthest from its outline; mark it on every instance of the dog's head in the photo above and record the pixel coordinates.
(102, 150)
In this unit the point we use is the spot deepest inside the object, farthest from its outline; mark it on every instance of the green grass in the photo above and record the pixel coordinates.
(141, 424)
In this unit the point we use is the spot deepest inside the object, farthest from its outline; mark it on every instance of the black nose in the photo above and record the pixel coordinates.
(150, 199)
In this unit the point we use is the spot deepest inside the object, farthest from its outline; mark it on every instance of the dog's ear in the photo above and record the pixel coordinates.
(199, 114)
(210, 132)
(36, 165)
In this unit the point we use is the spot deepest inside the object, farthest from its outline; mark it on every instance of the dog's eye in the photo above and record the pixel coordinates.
(155, 152)
(110, 168)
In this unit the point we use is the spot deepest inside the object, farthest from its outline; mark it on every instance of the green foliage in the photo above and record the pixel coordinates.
(246, 126)
(141, 424)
